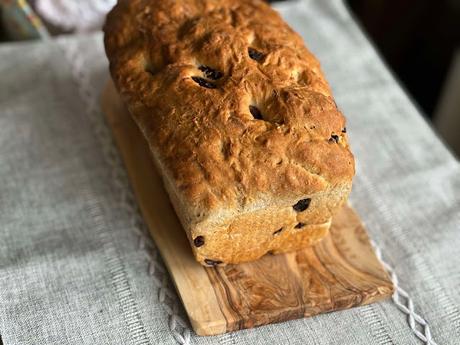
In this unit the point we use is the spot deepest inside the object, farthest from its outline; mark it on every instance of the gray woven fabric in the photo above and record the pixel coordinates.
(77, 268)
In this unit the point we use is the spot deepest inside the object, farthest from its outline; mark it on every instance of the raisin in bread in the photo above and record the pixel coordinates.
(240, 121)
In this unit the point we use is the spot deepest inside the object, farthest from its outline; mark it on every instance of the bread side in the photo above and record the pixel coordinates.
(239, 118)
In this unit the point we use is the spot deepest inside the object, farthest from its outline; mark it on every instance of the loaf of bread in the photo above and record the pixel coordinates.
(240, 121)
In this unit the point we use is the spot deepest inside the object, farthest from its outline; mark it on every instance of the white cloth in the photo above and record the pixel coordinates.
(79, 16)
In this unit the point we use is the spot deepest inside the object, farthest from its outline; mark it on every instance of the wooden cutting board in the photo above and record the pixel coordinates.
(340, 272)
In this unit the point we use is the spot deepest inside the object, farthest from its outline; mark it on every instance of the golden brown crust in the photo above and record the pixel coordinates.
(190, 71)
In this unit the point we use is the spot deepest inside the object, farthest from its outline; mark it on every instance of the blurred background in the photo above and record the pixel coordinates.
(420, 42)
(418, 39)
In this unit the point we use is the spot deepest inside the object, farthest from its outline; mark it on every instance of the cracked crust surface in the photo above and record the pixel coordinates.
(240, 120)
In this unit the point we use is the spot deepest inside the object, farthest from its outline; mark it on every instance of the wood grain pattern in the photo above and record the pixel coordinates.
(339, 272)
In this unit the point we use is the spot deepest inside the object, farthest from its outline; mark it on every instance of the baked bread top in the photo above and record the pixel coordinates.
(231, 98)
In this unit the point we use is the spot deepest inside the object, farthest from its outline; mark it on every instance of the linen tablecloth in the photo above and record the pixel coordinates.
(76, 265)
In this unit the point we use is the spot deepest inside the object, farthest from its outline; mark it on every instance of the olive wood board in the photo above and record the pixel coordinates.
(339, 272)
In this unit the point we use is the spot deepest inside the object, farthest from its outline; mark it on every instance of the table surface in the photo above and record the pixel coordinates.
(77, 266)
